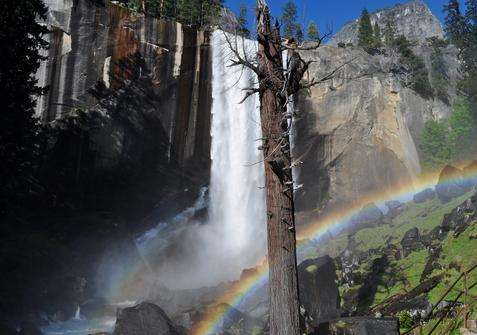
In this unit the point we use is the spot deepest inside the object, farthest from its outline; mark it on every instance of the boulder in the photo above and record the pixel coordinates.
(144, 319)
(6, 330)
(394, 208)
(424, 196)
(411, 241)
(319, 293)
(29, 328)
(369, 217)
(451, 183)
(461, 217)
(360, 326)
(470, 174)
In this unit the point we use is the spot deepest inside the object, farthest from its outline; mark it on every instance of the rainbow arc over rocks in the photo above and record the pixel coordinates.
(339, 218)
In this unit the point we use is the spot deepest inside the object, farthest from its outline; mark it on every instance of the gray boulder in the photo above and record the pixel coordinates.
(411, 241)
(369, 217)
(451, 184)
(144, 319)
(361, 326)
(394, 208)
(319, 293)
(423, 196)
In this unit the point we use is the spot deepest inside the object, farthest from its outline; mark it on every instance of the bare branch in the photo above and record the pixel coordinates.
(312, 46)
(239, 59)
(250, 92)
(327, 77)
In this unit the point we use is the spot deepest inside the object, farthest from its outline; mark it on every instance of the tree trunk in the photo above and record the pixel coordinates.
(284, 304)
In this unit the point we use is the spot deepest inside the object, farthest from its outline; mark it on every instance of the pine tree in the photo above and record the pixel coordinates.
(312, 32)
(462, 32)
(455, 25)
(299, 33)
(419, 77)
(242, 22)
(21, 36)
(365, 33)
(288, 19)
(389, 31)
(439, 76)
(377, 36)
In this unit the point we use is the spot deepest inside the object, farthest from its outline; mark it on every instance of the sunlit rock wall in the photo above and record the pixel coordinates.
(357, 133)
(412, 19)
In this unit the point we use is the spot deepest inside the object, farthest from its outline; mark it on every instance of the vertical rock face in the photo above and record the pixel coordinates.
(100, 49)
(359, 132)
(352, 133)
(413, 20)
(318, 289)
(145, 319)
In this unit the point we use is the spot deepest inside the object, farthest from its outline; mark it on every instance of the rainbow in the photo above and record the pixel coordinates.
(339, 218)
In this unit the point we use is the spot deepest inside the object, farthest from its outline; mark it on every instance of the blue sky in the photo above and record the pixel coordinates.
(332, 12)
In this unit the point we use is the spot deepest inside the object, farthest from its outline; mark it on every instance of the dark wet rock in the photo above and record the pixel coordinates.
(423, 196)
(394, 208)
(350, 301)
(319, 293)
(6, 330)
(360, 326)
(451, 184)
(432, 262)
(461, 217)
(29, 328)
(411, 241)
(144, 319)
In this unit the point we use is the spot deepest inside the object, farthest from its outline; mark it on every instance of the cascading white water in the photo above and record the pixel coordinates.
(78, 313)
(237, 200)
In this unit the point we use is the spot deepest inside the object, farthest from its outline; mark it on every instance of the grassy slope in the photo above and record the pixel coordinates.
(407, 271)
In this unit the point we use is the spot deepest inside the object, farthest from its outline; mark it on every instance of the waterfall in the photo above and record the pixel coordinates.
(189, 250)
(78, 313)
(237, 198)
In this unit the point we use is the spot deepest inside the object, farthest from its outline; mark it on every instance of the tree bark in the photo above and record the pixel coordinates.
(283, 278)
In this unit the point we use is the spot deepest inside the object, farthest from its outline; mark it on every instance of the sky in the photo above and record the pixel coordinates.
(331, 12)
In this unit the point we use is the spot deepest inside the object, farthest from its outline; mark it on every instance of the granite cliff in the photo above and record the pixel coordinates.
(359, 132)
(148, 82)
(412, 19)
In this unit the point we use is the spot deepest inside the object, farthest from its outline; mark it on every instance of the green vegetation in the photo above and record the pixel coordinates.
(365, 32)
(389, 31)
(242, 22)
(377, 36)
(443, 142)
(197, 13)
(291, 28)
(22, 39)
(369, 38)
(461, 31)
(418, 76)
(434, 145)
(313, 34)
(439, 77)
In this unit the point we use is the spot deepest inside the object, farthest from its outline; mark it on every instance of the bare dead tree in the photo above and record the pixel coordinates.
(276, 84)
